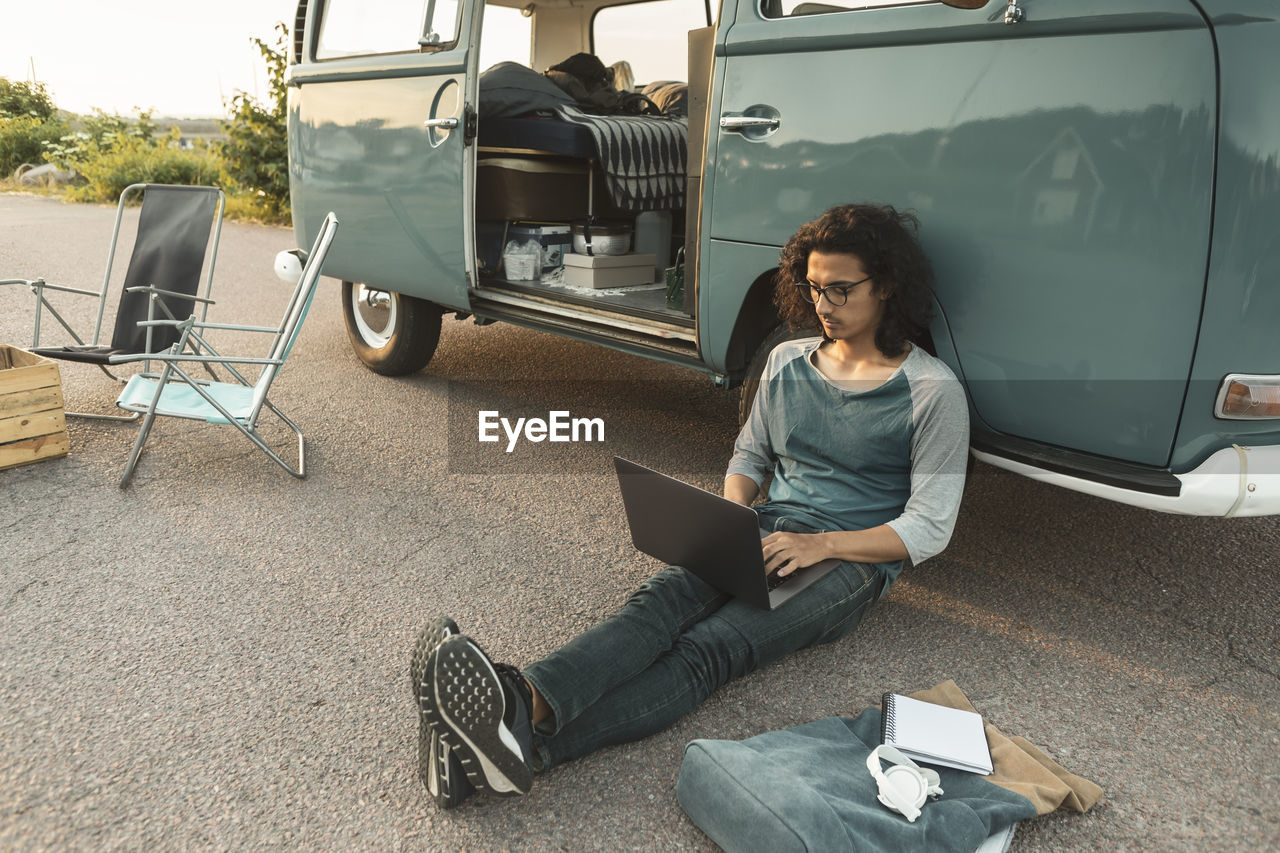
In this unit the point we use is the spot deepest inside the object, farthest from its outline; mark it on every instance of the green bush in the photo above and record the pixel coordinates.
(23, 140)
(256, 155)
(98, 134)
(108, 168)
(106, 128)
(110, 152)
(30, 100)
(28, 120)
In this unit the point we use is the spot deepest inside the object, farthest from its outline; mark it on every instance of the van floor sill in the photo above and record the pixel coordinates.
(647, 301)
(661, 324)
(674, 350)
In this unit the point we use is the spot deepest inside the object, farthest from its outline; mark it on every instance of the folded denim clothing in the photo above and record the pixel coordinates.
(807, 789)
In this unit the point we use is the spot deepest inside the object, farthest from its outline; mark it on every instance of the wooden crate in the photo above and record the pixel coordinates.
(33, 424)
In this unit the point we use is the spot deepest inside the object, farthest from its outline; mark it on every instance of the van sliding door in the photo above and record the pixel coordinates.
(1062, 169)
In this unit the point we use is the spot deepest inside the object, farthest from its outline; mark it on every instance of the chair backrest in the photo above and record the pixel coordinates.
(174, 227)
(296, 311)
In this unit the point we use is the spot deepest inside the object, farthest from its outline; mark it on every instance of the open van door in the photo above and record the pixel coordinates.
(381, 121)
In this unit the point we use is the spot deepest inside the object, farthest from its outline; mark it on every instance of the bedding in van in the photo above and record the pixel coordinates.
(644, 158)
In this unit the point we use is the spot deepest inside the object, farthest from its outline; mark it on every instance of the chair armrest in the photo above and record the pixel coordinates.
(38, 284)
(199, 359)
(232, 327)
(152, 289)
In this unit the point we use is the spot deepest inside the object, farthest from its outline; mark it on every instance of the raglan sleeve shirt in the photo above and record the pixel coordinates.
(753, 454)
(939, 459)
(847, 460)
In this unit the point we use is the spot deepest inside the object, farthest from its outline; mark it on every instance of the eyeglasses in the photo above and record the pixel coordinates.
(837, 294)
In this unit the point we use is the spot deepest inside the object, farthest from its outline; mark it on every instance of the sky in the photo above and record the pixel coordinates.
(185, 60)
(179, 59)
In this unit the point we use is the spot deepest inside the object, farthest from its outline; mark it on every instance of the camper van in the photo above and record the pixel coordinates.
(1097, 181)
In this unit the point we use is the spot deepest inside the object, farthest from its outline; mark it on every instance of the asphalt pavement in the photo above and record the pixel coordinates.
(217, 657)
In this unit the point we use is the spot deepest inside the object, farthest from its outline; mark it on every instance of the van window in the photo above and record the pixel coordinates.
(365, 27)
(794, 8)
(506, 36)
(652, 36)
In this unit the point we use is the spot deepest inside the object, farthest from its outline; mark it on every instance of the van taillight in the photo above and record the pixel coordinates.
(1248, 397)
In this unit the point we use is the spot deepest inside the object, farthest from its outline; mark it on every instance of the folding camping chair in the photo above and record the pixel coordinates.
(161, 282)
(175, 393)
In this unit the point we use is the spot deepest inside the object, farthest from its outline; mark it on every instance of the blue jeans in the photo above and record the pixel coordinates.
(674, 642)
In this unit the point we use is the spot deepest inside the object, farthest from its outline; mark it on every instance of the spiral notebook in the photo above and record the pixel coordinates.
(935, 734)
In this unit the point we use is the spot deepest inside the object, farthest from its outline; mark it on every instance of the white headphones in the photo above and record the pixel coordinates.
(905, 786)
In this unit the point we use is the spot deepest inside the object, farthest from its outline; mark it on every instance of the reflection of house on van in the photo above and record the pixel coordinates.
(1092, 182)
(1061, 185)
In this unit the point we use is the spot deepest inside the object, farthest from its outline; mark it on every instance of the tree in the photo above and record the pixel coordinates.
(25, 100)
(256, 154)
(29, 121)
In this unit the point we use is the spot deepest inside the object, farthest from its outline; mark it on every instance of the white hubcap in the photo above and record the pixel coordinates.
(375, 314)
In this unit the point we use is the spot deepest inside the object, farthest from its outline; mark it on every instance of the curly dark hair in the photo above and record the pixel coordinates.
(884, 241)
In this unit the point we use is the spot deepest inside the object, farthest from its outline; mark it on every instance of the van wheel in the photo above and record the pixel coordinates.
(394, 335)
(755, 369)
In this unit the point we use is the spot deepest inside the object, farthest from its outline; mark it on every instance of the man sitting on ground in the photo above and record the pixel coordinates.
(867, 439)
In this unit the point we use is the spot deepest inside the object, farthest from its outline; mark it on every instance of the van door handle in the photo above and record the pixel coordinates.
(441, 123)
(739, 123)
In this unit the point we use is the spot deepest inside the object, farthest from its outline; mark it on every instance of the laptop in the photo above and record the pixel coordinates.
(713, 537)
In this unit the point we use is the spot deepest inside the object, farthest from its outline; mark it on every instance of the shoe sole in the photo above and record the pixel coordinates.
(466, 706)
(429, 638)
(433, 756)
(445, 792)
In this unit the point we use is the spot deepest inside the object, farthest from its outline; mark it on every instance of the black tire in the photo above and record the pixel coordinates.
(393, 334)
(755, 368)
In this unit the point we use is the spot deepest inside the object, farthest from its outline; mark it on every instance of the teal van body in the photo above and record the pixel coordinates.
(1097, 184)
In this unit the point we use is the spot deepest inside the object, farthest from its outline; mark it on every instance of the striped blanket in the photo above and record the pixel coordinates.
(644, 158)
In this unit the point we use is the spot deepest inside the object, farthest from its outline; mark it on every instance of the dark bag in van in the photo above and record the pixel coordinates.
(586, 79)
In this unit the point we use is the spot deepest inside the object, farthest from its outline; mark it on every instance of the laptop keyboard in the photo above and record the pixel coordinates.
(776, 580)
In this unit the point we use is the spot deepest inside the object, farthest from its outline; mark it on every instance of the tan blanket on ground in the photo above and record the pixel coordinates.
(1019, 766)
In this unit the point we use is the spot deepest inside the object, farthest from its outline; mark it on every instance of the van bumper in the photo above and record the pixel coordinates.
(1236, 481)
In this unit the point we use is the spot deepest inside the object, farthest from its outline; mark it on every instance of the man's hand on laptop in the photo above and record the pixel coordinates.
(790, 551)
(785, 552)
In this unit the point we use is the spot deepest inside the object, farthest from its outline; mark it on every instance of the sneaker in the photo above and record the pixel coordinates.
(438, 768)
(482, 711)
